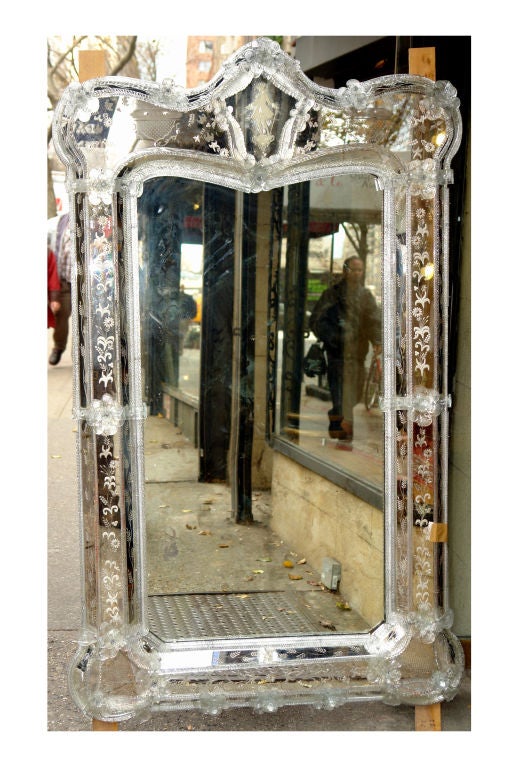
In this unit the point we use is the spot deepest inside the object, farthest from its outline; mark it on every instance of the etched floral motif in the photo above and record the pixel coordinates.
(262, 112)
(100, 186)
(423, 175)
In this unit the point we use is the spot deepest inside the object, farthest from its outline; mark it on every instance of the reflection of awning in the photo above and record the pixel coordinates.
(192, 229)
(318, 228)
(193, 222)
(323, 223)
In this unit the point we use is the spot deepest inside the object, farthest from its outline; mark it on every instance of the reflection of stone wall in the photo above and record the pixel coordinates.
(319, 519)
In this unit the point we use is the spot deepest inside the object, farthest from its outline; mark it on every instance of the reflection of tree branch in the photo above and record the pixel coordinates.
(355, 241)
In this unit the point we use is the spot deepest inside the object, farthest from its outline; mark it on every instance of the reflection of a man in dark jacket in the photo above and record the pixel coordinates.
(346, 318)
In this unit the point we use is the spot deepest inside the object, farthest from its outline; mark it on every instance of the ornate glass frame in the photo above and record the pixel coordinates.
(411, 657)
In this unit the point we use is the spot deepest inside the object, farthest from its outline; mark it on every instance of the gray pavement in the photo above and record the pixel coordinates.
(64, 609)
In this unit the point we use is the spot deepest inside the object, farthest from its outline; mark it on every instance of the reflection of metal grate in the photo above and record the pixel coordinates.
(213, 616)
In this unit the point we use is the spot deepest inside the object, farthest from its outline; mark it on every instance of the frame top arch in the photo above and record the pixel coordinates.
(260, 116)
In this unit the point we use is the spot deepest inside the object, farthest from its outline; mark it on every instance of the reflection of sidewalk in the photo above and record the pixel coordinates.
(194, 546)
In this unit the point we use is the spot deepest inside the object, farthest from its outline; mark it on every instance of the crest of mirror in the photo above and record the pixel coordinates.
(259, 125)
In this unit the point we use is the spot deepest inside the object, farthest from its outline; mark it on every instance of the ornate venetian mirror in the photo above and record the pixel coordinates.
(260, 388)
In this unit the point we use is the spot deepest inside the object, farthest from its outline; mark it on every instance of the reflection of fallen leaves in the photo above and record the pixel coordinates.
(328, 625)
(295, 577)
(288, 563)
(343, 605)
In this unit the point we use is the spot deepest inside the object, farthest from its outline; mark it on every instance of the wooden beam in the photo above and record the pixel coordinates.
(91, 64)
(422, 61)
(99, 726)
(428, 718)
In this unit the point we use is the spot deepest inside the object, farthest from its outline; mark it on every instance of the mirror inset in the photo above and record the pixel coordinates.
(247, 550)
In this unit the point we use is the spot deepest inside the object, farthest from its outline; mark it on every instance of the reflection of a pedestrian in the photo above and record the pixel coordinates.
(346, 318)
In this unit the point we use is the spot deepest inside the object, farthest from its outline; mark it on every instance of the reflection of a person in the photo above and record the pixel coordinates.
(346, 318)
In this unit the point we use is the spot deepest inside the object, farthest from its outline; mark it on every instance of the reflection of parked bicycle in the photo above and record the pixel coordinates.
(373, 383)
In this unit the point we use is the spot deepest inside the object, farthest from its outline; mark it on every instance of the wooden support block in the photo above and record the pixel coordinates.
(422, 61)
(91, 64)
(99, 726)
(428, 718)
(467, 651)
(438, 532)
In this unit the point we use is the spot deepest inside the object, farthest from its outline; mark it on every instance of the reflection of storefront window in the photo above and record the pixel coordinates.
(171, 287)
(335, 261)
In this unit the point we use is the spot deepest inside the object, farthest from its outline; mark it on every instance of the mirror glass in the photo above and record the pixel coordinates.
(230, 385)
